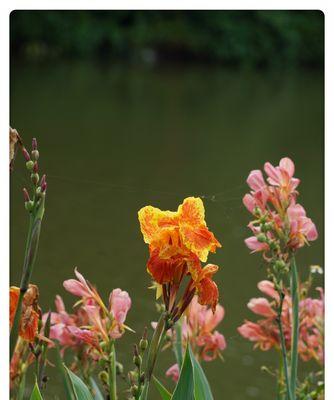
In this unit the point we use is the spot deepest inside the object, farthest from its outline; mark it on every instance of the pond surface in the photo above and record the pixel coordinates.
(113, 139)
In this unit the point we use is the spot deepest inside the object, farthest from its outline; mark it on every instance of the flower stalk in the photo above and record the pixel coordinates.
(295, 326)
(112, 373)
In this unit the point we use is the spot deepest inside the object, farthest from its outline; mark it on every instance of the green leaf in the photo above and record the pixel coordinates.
(164, 393)
(80, 390)
(185, 386)
(36, 394)
(20, 395)
(202, 389)
(177, 344)
(96, 390)
(65, 378)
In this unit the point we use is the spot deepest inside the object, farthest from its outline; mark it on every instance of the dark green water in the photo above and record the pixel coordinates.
(113, 139)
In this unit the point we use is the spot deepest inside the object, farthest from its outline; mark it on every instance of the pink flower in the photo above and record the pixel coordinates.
(255, 180)
(268, 288)
(78, 287)
(119, 304)
(253, 244)
(261, 306)
(256, 333)
(212, 344)
(302, 228)
(282, 175)
(173, 372)
(86, 335)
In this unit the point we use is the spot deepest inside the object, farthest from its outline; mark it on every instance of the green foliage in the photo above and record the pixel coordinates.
(164, 393)
(232, 37)
(81, 391)
(36, 394)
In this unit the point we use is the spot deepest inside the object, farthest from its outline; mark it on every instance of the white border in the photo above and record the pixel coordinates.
(326, 6)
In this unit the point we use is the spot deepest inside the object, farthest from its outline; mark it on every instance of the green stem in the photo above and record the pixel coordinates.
(112, 373)
(29, 261)
(153, 351)
(283, 348)
(295, 326)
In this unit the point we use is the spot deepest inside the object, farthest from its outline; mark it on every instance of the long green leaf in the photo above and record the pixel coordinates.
(65, 378)
(185, 386)
(96, 390)
(202, 389)
(164, 393)
(80, 390)
(36, 394)
(20, 395)
(177, 344)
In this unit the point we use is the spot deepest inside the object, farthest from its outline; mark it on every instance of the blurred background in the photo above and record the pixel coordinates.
(132, 108)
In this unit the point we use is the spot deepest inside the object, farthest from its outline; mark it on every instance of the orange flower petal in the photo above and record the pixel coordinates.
(192, 211)
(29, 324)
(164, 270)
(14, 293)
(208, 293)
(152, 220)
(200, 240)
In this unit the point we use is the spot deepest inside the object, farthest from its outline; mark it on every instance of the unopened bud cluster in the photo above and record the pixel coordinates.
(137, 377)
(39, 184)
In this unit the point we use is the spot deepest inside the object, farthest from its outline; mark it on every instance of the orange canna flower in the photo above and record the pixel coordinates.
(178, 242)
(175, 237)
(30, 315)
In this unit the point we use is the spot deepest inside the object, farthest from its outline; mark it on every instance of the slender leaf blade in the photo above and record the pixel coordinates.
(202, 389)
(36, 394)
(164, 393)
(81, 391)
(185, 386)
(96, 390)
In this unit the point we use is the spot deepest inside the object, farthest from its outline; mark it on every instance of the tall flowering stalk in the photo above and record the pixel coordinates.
(35, 206)
(280, 227)
(178, 242)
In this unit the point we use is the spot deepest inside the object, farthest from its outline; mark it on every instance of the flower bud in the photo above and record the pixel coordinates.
(30, 165)
(26, 195)
(43, 183)
(137, 360)
(280, 265)
(262, 238)
(35, 168)
(119, 368)
(25, 154)
(34, 144)
(29, 205)
(35, 155)
(142, 378)
(34, 178)
(104, 377)
(143, 344)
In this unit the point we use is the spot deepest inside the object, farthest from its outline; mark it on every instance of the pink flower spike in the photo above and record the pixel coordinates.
(261, 306)
(255, 180)
(119, 304)
(173, 372)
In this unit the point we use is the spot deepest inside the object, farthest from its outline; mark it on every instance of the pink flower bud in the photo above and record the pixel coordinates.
(119, 303)
(34, 144)
(26, 195)
(26, 155)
